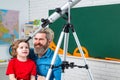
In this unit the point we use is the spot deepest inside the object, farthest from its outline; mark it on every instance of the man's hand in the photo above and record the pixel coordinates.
(40, 77)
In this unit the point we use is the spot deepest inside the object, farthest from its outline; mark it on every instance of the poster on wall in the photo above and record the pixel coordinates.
(9, 26)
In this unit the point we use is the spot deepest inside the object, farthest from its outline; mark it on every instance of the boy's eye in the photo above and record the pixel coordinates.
(26, 47)
(23, 47)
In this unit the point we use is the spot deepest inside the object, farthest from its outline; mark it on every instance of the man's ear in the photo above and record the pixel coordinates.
(49, 41)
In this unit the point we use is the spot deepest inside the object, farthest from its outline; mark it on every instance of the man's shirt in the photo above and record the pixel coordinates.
(43, 64)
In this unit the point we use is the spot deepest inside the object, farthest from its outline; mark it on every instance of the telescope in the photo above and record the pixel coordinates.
(53, 17)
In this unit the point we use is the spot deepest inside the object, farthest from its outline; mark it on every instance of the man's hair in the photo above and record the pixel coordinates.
(49, 33)
(15, 45)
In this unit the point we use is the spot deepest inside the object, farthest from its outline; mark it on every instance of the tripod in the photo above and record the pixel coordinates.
(65, 64)
(65, 34)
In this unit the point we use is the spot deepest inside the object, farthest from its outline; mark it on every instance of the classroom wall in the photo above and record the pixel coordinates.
(101, 69)
(39, 8)
(19, 5)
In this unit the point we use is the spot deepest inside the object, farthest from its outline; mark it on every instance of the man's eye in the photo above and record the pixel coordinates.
(35, 38)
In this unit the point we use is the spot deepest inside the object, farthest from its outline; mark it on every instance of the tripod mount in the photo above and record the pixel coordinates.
(66, 65)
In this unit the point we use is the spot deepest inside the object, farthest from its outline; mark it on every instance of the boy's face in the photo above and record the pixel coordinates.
(23, 49)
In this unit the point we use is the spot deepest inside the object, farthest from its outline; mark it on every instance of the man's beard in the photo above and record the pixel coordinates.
(41, 50)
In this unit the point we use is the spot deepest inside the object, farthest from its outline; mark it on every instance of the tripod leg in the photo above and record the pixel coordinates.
(55, 55)
(65, 46)
(81, 51)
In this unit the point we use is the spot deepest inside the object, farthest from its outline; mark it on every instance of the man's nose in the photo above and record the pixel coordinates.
(37, 41)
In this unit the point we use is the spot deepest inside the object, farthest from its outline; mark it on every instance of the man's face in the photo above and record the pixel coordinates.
(40, 43)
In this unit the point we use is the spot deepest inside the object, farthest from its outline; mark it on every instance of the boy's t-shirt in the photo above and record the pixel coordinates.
(22, 70)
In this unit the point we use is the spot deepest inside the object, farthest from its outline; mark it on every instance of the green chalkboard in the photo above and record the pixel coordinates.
(97, 27)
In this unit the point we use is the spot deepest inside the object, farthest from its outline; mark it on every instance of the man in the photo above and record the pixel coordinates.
(43, 55)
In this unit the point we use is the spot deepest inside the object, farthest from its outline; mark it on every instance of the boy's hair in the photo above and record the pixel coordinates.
(49, 33)
(15, 45)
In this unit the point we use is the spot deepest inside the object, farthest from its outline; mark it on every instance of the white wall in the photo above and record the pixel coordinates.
(39, 8)
(19, 5)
